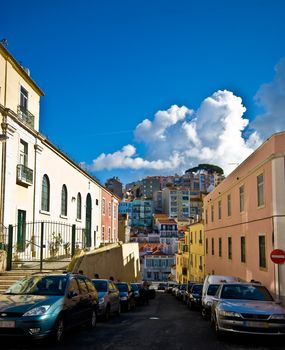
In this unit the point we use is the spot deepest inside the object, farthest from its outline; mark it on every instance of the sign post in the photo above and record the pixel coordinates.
(278, 257)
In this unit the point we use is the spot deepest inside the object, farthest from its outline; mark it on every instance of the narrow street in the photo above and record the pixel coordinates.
(164, 324)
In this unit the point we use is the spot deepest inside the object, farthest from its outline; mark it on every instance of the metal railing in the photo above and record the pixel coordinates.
(26, 116)
(24, 175)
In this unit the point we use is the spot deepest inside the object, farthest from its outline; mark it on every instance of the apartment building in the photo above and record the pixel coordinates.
(196, 251)
(176, 202)
(245, 218)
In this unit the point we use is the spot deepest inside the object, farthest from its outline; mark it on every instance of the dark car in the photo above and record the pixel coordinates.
(109, 297)
(127, 297)
(136, 287)
(48, 304)
(195, 296)
(162, 286)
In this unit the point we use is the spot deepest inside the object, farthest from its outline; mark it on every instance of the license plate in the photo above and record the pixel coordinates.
(256, 324)
(7, 324)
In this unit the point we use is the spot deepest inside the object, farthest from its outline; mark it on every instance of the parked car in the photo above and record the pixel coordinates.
(162, 286)
(48, 304)
(169, 287)
(136, 287)
(187, 292)
(151, 292)
(195, 296)
(181, 291)
(210, 286)
(109, 298)
(246, 308)
(127, 297)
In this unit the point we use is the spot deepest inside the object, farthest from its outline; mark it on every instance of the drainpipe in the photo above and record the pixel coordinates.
(4, 152)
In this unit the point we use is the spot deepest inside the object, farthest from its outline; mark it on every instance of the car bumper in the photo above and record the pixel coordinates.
(252, 327)
(33, 327)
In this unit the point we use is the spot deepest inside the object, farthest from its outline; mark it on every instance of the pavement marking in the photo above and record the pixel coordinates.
(154, 318)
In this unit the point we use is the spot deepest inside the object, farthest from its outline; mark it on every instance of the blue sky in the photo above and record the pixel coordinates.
(107, 66)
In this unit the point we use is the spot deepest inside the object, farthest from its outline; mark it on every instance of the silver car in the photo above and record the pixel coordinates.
(246, 308)
(109, 298)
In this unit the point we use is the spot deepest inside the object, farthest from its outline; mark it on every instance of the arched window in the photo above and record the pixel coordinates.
(45, 193)
(64, 200)
(79, 206)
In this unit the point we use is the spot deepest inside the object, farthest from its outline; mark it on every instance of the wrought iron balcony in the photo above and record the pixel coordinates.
(26, 116)
(24, 175)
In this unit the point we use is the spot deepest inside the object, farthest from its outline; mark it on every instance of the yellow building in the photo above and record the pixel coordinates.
(183, 260)
(196, 252)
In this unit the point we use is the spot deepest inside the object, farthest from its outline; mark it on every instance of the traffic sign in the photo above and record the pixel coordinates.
(277, 256)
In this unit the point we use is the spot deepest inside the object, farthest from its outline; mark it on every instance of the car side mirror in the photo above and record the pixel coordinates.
(71, 294)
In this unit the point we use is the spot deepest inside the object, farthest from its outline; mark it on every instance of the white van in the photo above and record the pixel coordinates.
(210, 286)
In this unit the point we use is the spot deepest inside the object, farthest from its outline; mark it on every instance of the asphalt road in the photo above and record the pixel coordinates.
(164, 324)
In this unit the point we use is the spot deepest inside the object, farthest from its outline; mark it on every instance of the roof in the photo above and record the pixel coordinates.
(167, 221)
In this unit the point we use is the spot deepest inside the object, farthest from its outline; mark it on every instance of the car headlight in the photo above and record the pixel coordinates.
(209, 303)
(37, 311)
(224, 313)
(101, 301)
(278, 317)
(124, 298)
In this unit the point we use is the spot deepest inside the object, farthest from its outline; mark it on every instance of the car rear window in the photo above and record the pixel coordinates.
(246, 292)
(212, 289)
(101, 286)
(122, 287)
(197, 288)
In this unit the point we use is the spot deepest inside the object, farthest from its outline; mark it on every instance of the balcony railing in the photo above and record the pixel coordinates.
(26, 116)
(24, 175)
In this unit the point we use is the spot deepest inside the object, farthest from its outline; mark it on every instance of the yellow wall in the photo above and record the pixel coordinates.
(197, 254)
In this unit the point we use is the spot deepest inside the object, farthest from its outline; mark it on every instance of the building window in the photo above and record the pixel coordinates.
(103, 206)
(241, 199)
(262, 254)
(229, 200)
(260, 190)
(212, 213)
(23, 99)
(206, 216)
(115, 211)
(64, 201)
(103, 233)
(109, 209)
(207, 246)
(213, 246)
(45, 193)
(242, 249)
(220, 247)
(230, 251)
(23, 153)
(109, 234)
(79, 206)
(220, 210)
(200, 237)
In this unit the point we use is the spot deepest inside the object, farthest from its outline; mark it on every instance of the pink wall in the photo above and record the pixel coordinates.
(251, 223)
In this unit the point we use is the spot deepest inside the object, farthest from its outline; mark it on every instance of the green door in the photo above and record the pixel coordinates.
(88, 221)
(21, 232)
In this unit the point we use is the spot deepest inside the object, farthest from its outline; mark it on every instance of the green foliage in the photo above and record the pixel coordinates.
(55, 244)
(208, 167)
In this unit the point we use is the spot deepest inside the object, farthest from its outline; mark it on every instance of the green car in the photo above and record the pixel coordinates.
(48, 304)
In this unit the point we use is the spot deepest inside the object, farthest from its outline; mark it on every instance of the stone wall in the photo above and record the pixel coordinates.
(118, 260)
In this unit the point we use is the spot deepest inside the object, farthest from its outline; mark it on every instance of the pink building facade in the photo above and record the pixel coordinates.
(245, 218)
(109, 217)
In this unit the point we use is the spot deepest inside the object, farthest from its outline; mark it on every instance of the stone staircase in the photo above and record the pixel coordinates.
(7, 278)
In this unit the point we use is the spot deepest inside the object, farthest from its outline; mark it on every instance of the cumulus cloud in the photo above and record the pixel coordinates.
(271, 97)
(179, 138)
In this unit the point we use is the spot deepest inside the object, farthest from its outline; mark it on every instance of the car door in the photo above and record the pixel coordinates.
(84, 303)
(113, 296)
(72, 303)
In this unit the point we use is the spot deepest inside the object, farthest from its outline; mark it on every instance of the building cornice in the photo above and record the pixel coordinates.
(20, 70)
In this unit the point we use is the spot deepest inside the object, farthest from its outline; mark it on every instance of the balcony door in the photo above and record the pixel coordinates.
(88, 221)
(21, 231)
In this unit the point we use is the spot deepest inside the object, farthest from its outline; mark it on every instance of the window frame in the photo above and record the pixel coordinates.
(45, 195)
(64, 200)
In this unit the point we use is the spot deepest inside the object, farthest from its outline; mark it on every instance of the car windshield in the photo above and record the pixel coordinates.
(135, 286)
(212, 289)
(246, 292)
(122, 287)
(39, 285)
(197, 288)
(101, 286)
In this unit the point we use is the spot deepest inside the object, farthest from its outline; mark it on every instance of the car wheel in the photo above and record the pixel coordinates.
(59, 330)
(91, 324)
(129, 306)
(218, 332)
(107, 313)
(204, 313)
(212, 321)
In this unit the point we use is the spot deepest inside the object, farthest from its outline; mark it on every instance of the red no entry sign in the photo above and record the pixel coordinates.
(277, 256)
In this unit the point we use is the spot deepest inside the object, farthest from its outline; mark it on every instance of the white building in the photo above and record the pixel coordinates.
(38, 181)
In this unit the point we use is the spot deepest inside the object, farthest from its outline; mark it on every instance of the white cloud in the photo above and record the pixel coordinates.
(179, 138)
(271, 97)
